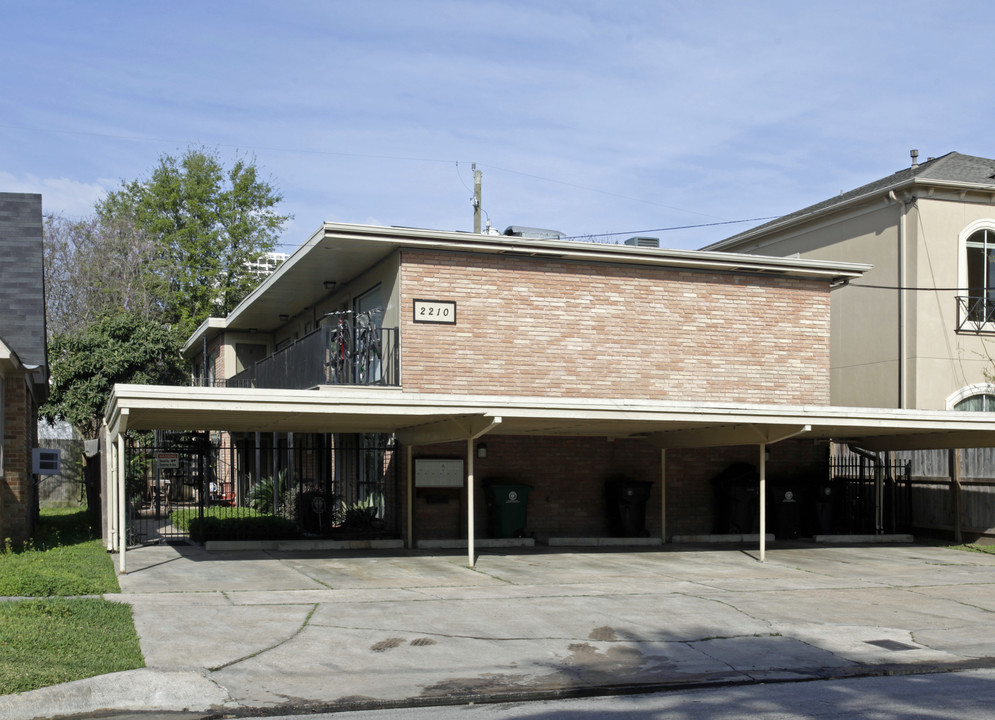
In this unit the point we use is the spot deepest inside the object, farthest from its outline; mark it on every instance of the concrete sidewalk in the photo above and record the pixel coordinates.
(290, 631)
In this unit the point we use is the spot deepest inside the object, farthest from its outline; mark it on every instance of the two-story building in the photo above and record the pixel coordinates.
(23, 359)
(916, 330)
(399, 373)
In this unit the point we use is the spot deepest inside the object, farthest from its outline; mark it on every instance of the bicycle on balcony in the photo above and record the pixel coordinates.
(340, 348)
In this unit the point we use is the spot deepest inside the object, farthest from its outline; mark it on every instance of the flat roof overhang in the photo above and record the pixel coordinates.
(339, 252)
(425, 419)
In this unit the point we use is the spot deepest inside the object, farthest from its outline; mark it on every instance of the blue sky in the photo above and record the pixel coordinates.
(588, 117)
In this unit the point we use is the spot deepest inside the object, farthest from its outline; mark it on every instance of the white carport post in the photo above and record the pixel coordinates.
(769, 438)
(763, 500)
(470, 529)
(110, 487)
(121, 505)
(663, 495)
(411, 499)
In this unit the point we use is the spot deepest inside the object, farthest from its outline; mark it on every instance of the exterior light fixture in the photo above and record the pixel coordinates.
(329, 284)
(284, 318)
(482, 450)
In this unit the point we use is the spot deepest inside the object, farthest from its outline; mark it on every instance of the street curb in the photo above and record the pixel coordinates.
(734, 679)
(145, 690)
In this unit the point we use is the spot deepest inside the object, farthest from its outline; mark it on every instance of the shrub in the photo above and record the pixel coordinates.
(225, 523)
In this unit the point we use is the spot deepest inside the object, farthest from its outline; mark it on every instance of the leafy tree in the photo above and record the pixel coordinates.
(206, 222)
(85, 365)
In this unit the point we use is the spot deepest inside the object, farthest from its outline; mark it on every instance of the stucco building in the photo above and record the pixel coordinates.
(915, 330)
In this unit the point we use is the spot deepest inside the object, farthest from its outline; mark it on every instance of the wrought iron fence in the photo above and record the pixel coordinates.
(852, 497)
(260, 486)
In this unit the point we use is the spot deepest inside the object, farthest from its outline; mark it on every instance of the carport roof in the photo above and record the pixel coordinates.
(424, 419)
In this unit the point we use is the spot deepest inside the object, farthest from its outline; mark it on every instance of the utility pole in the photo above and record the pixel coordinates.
(476, 199)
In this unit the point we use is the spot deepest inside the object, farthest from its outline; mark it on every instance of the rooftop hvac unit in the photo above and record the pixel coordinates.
(644, 242)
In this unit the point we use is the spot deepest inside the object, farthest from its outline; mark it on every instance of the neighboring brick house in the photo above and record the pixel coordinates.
(23, 359)
(553, 364)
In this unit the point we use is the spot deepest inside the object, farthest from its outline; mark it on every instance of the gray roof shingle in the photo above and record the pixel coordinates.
(22, 293)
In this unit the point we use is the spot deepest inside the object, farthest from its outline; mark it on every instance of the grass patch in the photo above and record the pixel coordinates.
(238, 523)
(64, 558)
(974, 547)
(56, 640)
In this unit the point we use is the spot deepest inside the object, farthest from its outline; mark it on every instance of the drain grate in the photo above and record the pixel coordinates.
(891, 645)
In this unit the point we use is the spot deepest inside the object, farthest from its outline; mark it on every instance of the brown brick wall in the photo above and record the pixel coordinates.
(568, 480)
(17, 492)
(562, 329)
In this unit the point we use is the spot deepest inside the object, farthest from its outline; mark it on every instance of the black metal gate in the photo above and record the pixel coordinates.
(852, 496)
(261, 486)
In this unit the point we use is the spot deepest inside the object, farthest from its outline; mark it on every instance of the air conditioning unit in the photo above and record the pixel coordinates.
(46, 461)
(644, 242)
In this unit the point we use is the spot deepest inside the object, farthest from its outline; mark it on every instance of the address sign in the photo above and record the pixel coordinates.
(435, 311)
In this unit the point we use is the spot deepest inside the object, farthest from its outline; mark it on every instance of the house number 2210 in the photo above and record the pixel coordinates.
(435, 311)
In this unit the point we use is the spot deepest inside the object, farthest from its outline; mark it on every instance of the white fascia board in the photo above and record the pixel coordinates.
(536, 415)
(9, 362)
(193, 343)
(295, 257)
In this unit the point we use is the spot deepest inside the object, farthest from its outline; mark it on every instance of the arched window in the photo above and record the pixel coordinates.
(980, 261)
(977, 403)
(973, 398)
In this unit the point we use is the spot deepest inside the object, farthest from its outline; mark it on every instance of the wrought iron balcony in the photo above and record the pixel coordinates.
(328, 357)
(976, 313)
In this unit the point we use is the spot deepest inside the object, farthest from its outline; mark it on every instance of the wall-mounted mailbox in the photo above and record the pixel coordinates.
(439, 472)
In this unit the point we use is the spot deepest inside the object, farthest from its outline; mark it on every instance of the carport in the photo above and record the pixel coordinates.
(426, 419)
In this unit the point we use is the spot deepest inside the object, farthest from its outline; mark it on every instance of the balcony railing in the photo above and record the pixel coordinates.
(325, 357)
(976, 313)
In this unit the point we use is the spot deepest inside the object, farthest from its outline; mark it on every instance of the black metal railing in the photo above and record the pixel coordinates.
(976, 313)
(324, 357)
(852, 497)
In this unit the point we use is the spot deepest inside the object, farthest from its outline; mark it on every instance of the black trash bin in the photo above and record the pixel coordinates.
(507, 509)
(626, 504)
(824, 501)
(737, 497)
(786, 510)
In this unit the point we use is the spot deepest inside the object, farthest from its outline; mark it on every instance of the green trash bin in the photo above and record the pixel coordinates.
(507, 506)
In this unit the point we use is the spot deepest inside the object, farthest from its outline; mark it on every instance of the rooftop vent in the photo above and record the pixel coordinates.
(533, 233)
(644, 242)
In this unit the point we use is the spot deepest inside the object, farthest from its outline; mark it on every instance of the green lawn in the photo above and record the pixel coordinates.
(975, 547)
(58, 637)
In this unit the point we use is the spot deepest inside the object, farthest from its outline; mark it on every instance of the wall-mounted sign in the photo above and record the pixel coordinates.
(435, 311)
(439, 473)
(168, 460)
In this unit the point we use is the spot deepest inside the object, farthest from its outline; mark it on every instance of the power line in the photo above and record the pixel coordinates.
(667, 229)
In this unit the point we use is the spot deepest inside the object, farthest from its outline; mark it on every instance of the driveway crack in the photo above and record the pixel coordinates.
(298, 631)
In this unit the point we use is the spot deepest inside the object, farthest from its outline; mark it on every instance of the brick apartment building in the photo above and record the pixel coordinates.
(23, 359)
(545, 363)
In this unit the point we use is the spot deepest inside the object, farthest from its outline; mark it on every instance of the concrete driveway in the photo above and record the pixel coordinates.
(302, 630)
